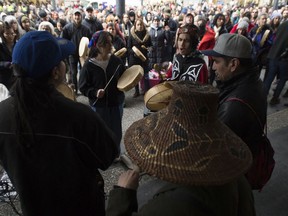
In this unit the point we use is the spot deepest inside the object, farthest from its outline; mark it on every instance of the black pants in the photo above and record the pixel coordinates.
(73, 63)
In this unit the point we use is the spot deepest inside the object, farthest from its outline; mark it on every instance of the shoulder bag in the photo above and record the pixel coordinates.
(263, 159)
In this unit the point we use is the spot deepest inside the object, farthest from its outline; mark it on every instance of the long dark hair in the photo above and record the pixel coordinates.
(100, 41)
(6, 27)
(214, 23)
(30, 97)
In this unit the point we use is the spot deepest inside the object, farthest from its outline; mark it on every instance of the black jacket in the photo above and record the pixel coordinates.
(74, 34)
(229, 26)
(92, 78)
(234, 199)
(138, 39)
(280, 44)
(93, 24)
(6, 72)
(159, 37)
(256, 34)
(237, 116)
(118, 44)
(173, 28)
(191, 67)
(59, 174)
(39, 21)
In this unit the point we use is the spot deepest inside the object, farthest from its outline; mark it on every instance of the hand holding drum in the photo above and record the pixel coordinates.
(120, 53)
(158, 97)
(139, 54)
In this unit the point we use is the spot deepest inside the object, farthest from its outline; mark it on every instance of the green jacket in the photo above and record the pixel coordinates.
(232, 199)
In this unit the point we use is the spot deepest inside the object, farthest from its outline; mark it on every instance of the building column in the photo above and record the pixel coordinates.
(120, 8)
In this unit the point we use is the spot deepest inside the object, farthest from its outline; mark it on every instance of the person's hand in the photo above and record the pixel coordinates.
(7, 64)
(129, 179)
(100, 93)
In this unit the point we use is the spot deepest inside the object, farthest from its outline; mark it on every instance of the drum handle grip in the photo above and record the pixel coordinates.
(108, 83)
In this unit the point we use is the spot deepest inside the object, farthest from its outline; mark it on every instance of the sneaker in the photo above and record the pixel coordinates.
(274, 101)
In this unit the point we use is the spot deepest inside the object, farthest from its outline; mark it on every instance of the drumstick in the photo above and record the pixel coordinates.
(111, 77)
(107, 84)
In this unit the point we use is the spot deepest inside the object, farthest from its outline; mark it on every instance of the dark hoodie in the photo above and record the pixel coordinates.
(21, 19)
(280, 45)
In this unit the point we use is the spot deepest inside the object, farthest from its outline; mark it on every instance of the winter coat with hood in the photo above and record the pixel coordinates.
(138, 39)
(21, 25)
(74, 33)
(5, 65)
(159, 37)
(93, 24)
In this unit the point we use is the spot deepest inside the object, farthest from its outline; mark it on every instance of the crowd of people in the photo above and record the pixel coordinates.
(161, 21)
(217, 54)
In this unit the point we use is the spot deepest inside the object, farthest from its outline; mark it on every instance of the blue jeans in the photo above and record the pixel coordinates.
(276, 66)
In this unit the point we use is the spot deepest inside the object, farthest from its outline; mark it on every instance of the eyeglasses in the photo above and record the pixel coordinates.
(9, 34)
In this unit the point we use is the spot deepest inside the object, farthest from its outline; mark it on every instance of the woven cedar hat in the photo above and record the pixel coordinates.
(185, 143)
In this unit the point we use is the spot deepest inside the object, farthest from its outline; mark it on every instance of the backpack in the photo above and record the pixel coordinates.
(263, 159)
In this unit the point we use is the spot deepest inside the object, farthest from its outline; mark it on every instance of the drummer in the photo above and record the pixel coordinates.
(188, 63)
(98, 81)
(51, 147)
(140, 38)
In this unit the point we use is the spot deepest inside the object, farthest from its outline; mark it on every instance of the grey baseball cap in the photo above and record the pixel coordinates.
(77, 10)
(231, 45)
